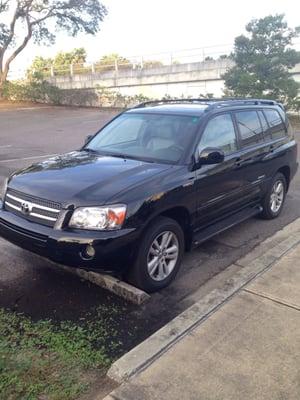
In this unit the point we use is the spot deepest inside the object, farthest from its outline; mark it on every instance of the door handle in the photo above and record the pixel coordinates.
(239, 161)
(271, 148)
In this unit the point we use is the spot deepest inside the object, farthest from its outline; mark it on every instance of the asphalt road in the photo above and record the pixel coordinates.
(29, 134)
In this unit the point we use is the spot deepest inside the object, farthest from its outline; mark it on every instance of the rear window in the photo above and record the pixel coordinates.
(249, 127)
(277, 128)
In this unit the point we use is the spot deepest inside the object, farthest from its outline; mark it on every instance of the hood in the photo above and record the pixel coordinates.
(82, 178)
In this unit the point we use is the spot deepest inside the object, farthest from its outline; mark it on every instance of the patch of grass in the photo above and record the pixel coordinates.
(53, 361)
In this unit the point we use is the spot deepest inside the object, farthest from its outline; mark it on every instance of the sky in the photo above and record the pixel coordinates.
(142, 27)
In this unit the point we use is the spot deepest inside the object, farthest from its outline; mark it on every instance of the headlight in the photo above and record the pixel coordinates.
(3, 190)
(98, 218)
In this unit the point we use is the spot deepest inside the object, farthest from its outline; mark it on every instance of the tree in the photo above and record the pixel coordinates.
(39, 20)
(63, 60)
(41, 67)
(263, 59)
(224, 57)
(76, 56)
(152, 64)
(109, 61)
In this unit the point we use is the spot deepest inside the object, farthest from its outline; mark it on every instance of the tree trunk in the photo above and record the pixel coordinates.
(3, 77)
(1, 87)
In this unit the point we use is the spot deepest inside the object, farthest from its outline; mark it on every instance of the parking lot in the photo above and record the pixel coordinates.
(29, 134)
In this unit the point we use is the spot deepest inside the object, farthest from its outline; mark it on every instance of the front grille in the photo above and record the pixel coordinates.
(32, 208)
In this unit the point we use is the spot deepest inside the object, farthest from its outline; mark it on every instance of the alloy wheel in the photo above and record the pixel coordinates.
(163, 255)
(277, 196)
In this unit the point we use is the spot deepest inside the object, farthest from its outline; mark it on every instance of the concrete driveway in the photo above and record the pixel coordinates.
(29, 134)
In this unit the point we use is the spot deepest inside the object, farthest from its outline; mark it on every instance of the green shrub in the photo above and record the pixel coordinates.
(36, 91)
(40, 91)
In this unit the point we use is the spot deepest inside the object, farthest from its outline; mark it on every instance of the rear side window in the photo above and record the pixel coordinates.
(276, 126)
(249, 127)
(265, 126)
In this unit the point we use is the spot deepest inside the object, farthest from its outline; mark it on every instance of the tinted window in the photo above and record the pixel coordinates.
(282, 113)
(277, 128)
(219, 132)
(126, 131)
(146, 136)
(264, 124)
(249, 127)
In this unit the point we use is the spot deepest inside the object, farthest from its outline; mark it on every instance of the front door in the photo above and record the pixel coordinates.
(219, 187)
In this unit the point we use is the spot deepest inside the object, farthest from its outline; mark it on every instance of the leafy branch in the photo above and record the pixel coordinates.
(71, 16)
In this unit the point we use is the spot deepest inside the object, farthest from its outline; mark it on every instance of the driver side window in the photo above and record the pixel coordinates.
(219, 132)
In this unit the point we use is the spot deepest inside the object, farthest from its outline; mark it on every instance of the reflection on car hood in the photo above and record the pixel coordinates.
(83, 178)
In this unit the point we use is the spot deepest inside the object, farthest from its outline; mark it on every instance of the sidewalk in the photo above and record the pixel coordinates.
(249, 349)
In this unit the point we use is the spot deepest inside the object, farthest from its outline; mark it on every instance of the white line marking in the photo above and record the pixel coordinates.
(27, 158)
(5, 146)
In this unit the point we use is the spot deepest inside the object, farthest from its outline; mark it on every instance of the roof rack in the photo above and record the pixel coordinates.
(233, 102)
(174, 101)
(212, 102)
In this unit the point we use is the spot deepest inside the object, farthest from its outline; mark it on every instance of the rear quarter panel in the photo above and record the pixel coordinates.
(283, 154)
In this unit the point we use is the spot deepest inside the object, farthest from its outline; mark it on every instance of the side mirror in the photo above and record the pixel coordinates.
(88, 138)
(210, 155)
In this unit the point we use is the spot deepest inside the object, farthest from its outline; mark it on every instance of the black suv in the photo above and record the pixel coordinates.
(155, 181)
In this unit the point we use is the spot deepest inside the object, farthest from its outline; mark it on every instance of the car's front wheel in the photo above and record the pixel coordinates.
(159, 255)
(274, 199)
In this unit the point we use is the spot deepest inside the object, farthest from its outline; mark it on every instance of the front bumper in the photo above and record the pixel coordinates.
(112, 248)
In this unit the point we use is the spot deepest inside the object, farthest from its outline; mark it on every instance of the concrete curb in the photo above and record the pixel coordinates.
(256, 262)
(108, 282)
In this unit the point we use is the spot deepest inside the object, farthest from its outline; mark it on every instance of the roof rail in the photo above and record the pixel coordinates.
(237, 102)
(212, 102)
(174, 101)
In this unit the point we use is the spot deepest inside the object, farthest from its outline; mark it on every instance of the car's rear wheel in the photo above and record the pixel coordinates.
(159, 255)
(274, 199)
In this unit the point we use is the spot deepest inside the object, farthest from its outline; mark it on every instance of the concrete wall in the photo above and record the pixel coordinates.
(190, 79)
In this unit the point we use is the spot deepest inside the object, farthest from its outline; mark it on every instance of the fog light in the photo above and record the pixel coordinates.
(90, 251)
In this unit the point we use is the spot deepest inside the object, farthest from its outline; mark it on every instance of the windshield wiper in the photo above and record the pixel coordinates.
(124, 156)
(117, 155)
(89, 150)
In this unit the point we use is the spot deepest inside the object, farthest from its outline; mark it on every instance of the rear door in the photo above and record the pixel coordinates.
(253, 150)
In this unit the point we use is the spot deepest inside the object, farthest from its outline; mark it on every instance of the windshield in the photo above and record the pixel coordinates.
(146, 136)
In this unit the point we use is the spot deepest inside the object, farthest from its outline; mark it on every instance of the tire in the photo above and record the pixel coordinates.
(152, 257)
(269, 211)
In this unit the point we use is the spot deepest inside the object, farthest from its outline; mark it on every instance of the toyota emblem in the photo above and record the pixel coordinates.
(26, 208)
